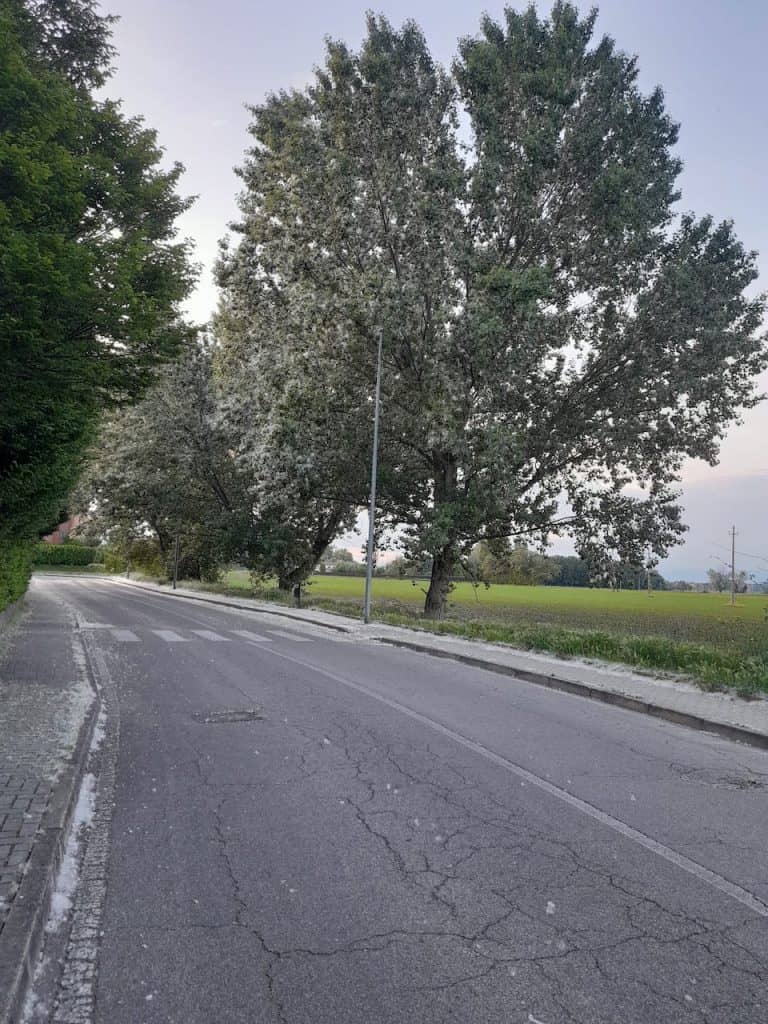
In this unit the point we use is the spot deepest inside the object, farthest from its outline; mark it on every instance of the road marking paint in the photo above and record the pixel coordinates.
(254, 637)
(208, 634)
(169, 636)
(125, 635)
(291, 636)
(710, 878)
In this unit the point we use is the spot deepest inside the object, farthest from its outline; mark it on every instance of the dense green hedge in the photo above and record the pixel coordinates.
(66, 554)
(15, 567)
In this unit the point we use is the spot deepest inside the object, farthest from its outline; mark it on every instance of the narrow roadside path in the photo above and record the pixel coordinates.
(45, 701)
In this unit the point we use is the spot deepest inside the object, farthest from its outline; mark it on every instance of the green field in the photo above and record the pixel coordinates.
(701, 618)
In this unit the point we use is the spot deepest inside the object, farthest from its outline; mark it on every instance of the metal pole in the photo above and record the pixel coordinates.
(733, 565)
(372, 509)
(175, 561)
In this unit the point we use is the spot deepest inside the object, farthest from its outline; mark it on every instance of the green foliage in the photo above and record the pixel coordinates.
(91, 278)
(66, 554)
(15, 569)
(162, 469)
(114, 561)
(146, 557)
(502, 563)
(555, 337)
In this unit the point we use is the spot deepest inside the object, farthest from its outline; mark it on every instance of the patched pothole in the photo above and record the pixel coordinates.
(710, 777)
(228, 715)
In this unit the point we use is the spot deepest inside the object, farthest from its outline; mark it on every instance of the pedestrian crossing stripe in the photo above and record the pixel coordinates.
(171, 636)
(125, 635)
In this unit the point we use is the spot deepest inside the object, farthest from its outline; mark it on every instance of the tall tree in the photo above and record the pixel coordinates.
(555, 335)
(91, 274)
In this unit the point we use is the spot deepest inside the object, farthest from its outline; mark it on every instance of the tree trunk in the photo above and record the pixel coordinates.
(439, 584)
(443, 561)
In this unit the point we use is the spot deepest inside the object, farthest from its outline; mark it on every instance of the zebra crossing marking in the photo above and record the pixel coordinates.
(124, 635)
(246, 634)
(170, 636)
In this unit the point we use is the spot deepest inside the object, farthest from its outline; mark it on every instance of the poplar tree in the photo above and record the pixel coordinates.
(559, 338)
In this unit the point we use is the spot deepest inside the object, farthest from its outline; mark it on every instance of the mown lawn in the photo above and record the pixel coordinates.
(699, 634)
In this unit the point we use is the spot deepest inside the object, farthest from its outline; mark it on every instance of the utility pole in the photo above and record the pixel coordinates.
(372, 509)
(733, 566)
(175, 561)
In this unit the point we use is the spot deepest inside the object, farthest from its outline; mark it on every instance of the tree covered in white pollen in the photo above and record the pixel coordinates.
(557, 338)
(163, 469)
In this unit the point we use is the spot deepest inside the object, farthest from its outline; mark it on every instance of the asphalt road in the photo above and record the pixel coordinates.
(397, 838)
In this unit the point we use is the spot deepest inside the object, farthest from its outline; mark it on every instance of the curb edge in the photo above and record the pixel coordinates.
(611, 697)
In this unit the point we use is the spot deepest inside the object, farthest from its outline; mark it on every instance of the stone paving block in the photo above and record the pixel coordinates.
(44, 699)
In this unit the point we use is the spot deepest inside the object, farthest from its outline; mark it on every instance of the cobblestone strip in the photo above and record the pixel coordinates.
(23, 803)
(75, 1002)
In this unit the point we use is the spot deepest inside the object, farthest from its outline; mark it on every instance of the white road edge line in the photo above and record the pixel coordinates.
(711, 878)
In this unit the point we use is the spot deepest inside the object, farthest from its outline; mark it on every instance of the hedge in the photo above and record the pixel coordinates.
(15, 567)
(66, 554)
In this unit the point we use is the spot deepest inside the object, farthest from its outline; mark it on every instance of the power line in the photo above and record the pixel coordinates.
(742, 554)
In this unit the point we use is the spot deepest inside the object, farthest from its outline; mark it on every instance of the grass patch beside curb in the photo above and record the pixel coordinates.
(711, 668)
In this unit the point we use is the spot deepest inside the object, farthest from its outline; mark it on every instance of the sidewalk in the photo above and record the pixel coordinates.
(673, 699)
(46, 708)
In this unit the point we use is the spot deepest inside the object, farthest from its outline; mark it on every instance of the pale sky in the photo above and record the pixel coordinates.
(189, 66)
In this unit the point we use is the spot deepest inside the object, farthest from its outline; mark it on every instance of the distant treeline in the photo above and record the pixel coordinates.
(517, 564)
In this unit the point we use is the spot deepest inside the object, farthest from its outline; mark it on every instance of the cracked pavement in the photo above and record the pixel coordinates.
(339, 861)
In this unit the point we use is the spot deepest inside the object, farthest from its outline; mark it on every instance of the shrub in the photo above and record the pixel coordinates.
(15, 567)
(146, 557)
(66, 554)
(114, 561)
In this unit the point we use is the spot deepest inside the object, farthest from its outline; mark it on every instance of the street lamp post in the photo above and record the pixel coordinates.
(372, 509)
(175, 561)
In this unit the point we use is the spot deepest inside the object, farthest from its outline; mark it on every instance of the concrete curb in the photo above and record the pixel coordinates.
(621, 700)
(232, 603)
(728, 730)
(21, 937)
